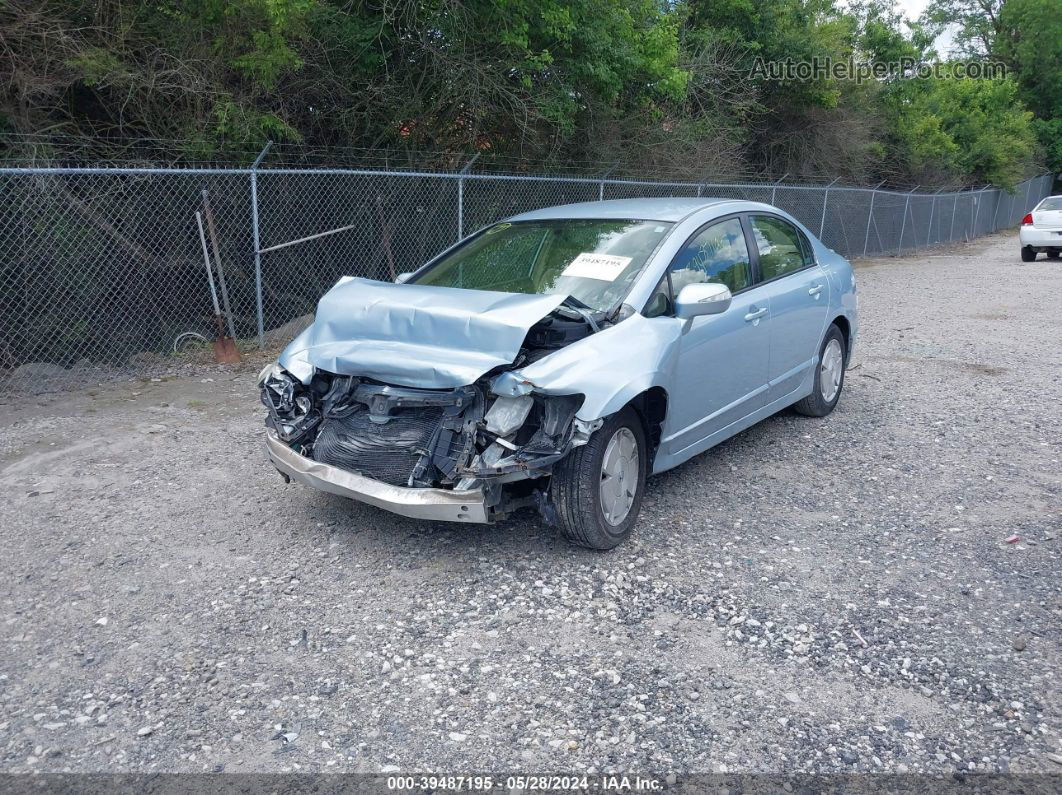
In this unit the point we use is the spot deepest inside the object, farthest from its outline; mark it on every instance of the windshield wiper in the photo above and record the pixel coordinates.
(575, 303)
(583, 310)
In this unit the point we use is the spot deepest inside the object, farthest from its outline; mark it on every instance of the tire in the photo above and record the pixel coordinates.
(829, 373)
(576, 487)
(1053, 253)
(1027, 254)
(190, 341)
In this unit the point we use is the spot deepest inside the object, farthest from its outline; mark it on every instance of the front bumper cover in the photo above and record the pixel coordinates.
(445, 505)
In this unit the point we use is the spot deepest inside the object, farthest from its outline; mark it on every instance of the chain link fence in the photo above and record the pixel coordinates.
(103, 268)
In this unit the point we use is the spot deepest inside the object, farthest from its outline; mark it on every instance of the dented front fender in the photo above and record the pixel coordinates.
(609, 368)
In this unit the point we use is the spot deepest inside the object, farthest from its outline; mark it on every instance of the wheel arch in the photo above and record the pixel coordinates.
(842, 322)
(651, 408)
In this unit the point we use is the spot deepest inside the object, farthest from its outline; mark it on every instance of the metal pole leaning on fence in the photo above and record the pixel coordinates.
(209, 213)
(903, 223)
(870, 214)
(260, 314)
(461, 197)
(210, 274)
(825, 198)
(307, 239)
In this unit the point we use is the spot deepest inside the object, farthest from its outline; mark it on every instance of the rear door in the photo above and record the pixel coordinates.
(799, 295)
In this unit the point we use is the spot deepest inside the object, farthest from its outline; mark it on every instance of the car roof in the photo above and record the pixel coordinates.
(671, 209)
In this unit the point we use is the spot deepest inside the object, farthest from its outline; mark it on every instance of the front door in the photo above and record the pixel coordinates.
(721, 366)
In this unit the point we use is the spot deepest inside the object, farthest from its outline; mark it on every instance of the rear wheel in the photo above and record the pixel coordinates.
(598, 489)
(1028, 254)
(829, 376)
(1053, 253)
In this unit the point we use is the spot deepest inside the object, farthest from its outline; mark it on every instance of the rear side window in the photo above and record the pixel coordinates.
(715, 254)
(780, 246)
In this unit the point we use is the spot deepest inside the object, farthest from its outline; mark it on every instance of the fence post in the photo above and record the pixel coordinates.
(1028, 184)
(774, 187)
(461, 197)
(870, 215)
(980, 196)
(995, 212)
(825, 198)
(259, 312)
(601, 185)
(932, 212)
(903, 224)
(954, 206)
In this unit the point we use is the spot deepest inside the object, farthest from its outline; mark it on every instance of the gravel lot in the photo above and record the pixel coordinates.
(813, 595)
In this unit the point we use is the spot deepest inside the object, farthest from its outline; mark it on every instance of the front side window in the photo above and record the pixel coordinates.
(715, 254)
(659, 302)
(779, 245)
(593, 261)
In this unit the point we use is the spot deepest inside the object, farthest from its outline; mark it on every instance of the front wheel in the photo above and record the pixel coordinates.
(829, 376)
(1028, 254)
(598, 489)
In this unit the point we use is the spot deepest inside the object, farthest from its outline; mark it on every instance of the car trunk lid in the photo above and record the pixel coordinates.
(1047, 219)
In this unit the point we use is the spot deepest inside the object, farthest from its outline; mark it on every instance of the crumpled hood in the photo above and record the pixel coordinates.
(414, 335)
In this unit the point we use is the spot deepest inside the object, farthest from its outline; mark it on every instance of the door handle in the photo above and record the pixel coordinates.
(756, 315)
(815, 290)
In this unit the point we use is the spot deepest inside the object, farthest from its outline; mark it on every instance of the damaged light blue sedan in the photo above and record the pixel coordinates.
(557, 359)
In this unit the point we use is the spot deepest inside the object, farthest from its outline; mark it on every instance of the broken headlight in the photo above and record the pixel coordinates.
(292, 413)
(527, 434)
(272, 369)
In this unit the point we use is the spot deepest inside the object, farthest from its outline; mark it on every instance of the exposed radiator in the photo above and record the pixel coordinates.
(386, 452)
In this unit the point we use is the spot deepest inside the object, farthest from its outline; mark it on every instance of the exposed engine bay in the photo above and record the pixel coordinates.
(455, 438)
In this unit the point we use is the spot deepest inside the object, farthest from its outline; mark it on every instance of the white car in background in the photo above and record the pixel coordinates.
(1041, 230)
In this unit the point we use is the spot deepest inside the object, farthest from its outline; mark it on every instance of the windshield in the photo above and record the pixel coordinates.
(594, 261)
(1051, 203)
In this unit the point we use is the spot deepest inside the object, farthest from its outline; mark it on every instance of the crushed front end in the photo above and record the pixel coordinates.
(455, 454)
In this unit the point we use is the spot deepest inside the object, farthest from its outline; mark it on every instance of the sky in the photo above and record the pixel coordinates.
(912, 9)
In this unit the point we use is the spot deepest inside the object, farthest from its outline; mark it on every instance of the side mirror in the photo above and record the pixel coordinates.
(702, 299)
(402, 278)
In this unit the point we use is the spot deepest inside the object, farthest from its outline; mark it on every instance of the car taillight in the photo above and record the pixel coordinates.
(1027, 220)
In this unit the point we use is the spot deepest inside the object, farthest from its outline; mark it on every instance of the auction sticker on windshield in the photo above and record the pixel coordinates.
(605, 267)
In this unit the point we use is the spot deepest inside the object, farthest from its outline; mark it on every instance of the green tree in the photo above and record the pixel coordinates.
(949, 128)
(1030, 42)
(648, 84)
(976, 22)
